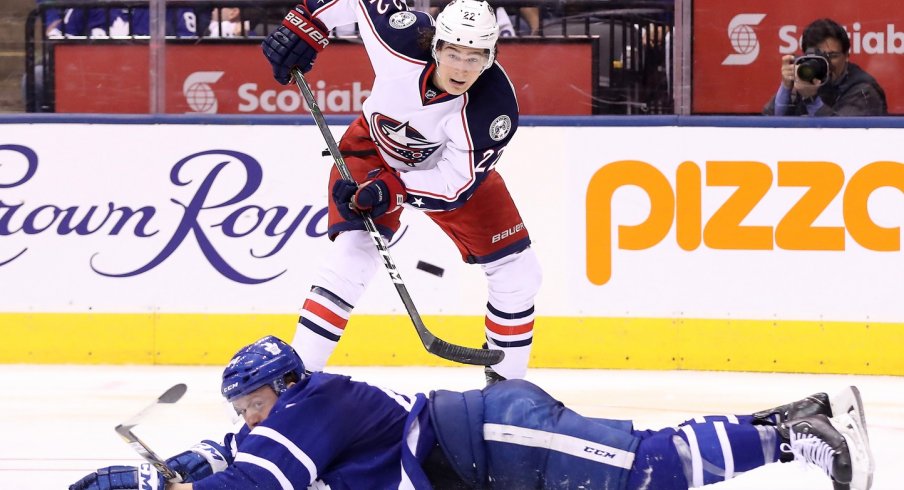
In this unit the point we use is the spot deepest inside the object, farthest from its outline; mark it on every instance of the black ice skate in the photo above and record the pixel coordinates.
(492, 376)
(836, 446)
(850, 419)
(817, 404)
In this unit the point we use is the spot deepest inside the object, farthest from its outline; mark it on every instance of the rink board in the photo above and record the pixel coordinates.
(610, 343)
(671, 246)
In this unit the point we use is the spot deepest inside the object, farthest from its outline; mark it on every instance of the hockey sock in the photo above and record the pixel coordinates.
(513, 333)
(512, 281)
(320, 326)
(338, 285)
(702, 451)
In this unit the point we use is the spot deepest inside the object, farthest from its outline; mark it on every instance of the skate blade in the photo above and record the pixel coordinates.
(849, 418)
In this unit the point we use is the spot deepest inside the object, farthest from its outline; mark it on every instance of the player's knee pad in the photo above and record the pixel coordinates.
(514, 280)
(350, 266)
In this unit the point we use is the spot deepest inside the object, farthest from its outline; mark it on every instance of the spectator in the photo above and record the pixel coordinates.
(227, 22)
(181, 22)
(844, 90)
(53, 22)
(531, 15)
(326, 431)
(98, 23)
(87, 22)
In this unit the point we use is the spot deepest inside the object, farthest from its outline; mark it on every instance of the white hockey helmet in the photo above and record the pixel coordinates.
(468, 23)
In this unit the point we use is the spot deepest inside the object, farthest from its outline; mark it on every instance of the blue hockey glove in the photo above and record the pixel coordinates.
(383, 193)
(295, 43)
(122, 478)
(201, 461)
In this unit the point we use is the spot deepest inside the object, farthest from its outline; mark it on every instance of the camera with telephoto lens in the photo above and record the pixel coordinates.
(814, 65)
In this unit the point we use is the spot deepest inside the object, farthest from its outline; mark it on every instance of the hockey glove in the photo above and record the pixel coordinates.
(295, 43)
(383, 193)
(201, 461)
(122, 478)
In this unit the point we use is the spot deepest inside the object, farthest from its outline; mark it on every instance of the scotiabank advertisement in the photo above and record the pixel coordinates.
(236, 79)
(738, 46)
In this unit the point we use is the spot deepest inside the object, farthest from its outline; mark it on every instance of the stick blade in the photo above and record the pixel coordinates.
(465, 355)
(173, 394)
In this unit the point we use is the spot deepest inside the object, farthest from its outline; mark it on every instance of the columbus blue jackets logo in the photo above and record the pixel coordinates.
(500, 127)
(400, 140)
(402, 20)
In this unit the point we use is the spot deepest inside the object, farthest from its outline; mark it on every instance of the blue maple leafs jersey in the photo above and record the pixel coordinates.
(442, 145)
(336, 432)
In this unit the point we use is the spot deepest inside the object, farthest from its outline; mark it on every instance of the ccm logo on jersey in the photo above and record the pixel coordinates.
(598, 452)
(507, 233)
(302, 26)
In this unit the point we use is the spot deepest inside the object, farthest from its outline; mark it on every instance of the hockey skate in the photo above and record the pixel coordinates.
(850, 419)
(837, 446)
(815, 404)
(492, 377)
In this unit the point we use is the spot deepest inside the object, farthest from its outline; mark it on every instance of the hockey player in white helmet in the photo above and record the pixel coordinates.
(431, 134)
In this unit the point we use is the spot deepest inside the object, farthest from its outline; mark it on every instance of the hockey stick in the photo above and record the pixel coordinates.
(433, 344)
(170, 396)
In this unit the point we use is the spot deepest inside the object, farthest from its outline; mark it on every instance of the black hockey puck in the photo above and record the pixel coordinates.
(430, 268)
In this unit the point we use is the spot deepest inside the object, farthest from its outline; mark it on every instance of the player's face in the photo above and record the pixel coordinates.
(458, 67)
(255, 406)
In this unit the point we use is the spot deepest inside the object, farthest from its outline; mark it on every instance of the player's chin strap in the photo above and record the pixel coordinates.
(433, 344)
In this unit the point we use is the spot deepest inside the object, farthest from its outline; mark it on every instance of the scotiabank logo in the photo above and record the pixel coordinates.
(887, 41)
(682, 206)
(330, 100)
(198, 93)
(743, 39)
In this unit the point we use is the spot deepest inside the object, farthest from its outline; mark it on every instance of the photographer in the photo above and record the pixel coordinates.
(823, 82)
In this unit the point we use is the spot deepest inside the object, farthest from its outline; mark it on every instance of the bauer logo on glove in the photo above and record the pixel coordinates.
(303, 27)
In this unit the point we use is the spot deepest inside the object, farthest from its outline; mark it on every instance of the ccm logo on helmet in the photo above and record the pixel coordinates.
(306, 27)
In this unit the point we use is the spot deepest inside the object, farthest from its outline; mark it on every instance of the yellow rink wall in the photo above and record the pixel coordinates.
(389, 340)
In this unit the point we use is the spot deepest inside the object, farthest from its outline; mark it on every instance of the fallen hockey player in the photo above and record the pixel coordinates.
(323, 430)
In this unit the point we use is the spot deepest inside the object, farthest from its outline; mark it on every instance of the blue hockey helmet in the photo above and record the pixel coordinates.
(267, 361)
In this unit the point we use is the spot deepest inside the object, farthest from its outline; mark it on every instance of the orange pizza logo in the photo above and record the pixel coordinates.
(681, 207)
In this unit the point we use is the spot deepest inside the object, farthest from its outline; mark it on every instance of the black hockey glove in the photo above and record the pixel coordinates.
(384, 192)
(295, 43)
